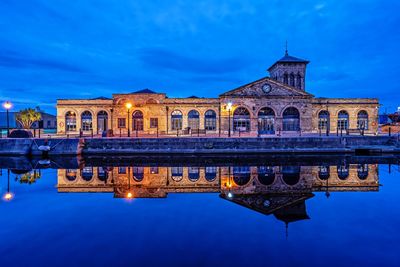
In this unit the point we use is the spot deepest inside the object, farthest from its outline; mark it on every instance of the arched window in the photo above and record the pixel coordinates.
(285, 78)
(87, 173)
(299, 84)
(70, 121)
(362, 120)
(86, 121)
(177, 173)
(362, 171)
(137, 120)
(102, 121)
(194, 174)
(323, 172)
(266, 121)
(70, 174)
(291, 119)
(266, 175)
(343, 171)
(194, 119)
(343, 120)
(241, 175)
(210, 120)
(102, 174)
(323, 120)
(211, 173)
(292, 79)
(176, 120)
(241, 120)
(291, 174)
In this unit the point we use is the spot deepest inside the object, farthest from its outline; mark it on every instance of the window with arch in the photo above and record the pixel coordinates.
(241, 120)
(70, 174)
(177, 173)
(70, 121)
(211, 173)
(87, 173)
(194, 119)
(291, 174)
(343, 120)
(292, 80)
(285, 78)
(266, 121)
(102, 174)
(194, 173)
(137, 120)
(323, 172)
(138, 173)
(176, 120)
(362, 120)
(266, 175)
(241, 175)
(210, 120)
(362, 171)
(323, 120)
(343, 171)
(102, 121)
(291, 119)
(86, 121)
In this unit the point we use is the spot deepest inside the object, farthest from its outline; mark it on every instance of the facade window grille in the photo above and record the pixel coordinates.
(323, 120)
(176, 120)
(194, 119)
(362, 120)
(70, 121)
(210, 120)
(86, 120)
(241, 120)
(153, 122)
(291, 119)
(343, 120)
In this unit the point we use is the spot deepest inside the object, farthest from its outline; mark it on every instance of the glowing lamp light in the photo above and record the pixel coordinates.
(7, 105)
(230, 195)
(128, 105)
(229, 106)
(8, 196)
(129, 195)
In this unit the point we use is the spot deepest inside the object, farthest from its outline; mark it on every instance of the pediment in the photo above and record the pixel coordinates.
(265, 87)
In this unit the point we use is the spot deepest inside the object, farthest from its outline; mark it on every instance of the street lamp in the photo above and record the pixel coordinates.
(229, 108)
(7, 106)
(8, 196)
(128, 106)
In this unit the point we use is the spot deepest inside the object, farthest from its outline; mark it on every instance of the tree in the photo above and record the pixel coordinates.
(27, 117)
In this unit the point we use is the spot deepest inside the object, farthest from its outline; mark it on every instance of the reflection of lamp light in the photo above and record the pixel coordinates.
(128, 107)
(8, 196)
(7, 105)
(129, 195)
(230, 195)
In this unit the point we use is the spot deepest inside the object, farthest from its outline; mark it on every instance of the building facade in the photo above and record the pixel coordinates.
(276, 104)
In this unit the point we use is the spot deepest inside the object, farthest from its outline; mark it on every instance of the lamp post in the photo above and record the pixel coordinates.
(7, 106)
(128, 106)
(8, 196)
(229, 108)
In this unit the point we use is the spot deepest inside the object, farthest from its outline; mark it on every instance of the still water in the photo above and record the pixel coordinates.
(165, 211)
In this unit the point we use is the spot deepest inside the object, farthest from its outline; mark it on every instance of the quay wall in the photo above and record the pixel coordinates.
(107, 146)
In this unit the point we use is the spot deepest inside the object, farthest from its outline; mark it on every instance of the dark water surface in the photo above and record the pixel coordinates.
(201, 212)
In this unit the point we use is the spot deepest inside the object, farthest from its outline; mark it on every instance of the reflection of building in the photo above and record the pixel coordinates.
(278, 103)
(48, 121)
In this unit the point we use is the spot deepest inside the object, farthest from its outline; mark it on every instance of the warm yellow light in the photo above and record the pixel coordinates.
(7, 105)
(128, 105)
(8, 196)
(229, 106)
(129, 195)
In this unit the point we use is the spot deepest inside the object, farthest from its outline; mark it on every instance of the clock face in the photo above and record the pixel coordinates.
(266, 88)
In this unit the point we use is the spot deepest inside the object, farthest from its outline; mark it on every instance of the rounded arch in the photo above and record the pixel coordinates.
(102, 121)
(241, 175)
(266, 120)
(137, 120)
(176, 119)
(362, 120)
(362, 171)
(324, 172)
(177, 173)
(343, 171)
(291, 79)
(138, 173)
(151, 101)
(194, 174)
(70, 121)
(323, 120)
(266, 175)
(86, 120)
(193, 119)
(71, 174)
(343, 120)
(211, 173)
(291, 175)
(210, 120)
(87, 173)
(291, 119)
(241, 119)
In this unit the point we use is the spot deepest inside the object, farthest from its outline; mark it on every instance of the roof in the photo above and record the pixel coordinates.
(192, 96)
(289, 59)
(144, 91)
(101, 98)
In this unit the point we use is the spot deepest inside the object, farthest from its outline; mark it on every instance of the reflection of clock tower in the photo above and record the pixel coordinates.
(289, 70)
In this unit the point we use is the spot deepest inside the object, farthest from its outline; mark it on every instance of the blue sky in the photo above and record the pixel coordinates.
(83, 49)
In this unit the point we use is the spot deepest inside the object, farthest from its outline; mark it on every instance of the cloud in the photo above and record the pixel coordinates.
(163, 59)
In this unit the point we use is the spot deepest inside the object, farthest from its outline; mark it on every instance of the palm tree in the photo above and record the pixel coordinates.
(27, 117)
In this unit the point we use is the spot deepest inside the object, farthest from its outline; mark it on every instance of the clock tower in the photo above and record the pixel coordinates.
(289, 70)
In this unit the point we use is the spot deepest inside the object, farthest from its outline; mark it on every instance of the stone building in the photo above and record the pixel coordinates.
(276, 104)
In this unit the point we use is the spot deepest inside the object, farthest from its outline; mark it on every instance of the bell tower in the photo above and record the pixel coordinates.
(290, 70)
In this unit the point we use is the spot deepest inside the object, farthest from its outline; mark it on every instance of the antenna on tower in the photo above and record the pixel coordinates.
(286, 51)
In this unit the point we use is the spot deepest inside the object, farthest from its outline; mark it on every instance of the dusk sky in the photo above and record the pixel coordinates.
(85, 49)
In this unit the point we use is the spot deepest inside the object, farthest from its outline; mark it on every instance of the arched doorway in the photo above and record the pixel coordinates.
(86, 121)
(266, 121)
(291, 119)
(176, 120)
(210, 120)
(70, 121)
(102, 121)
(362, 120)
(241, 120)
(343, 120)
(323, 121)
(194, 119)
(137, 120)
